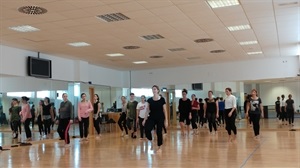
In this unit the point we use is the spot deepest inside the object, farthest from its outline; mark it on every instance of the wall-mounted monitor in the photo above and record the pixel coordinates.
(197, 86)
(38, 67)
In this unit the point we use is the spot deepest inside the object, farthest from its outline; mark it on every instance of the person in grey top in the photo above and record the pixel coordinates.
(65, 119)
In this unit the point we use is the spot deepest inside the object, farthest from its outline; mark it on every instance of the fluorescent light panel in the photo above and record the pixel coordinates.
(140, 62)
(115, 55)
(79, 44)
(24, 28)
(254, 53)
(248, 42)
(222, 3)
(239, 27)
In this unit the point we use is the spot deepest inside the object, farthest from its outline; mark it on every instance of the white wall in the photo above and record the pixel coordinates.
(270, 91)
(265, 68)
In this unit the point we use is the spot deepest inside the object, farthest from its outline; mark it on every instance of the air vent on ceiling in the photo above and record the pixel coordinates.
(217, 51)
(176, 49)
(113, 17)
(152, 37)
(288, 4)
(156, 56)
(131, 47)
(32, 10)
(204, 40)
(193, 58)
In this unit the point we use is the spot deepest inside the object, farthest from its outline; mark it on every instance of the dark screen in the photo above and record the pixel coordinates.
(39, 67)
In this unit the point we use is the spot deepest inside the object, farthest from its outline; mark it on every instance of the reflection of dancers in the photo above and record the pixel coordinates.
(26, 117)
(195, 108)
(122, 119)
(157, 117)
(97, 107)
(39, 117)
(15, 117)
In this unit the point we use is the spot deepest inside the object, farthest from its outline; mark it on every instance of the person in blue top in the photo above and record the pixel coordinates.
(221, 111)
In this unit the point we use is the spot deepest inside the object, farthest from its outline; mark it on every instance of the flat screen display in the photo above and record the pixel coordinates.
(39, 67)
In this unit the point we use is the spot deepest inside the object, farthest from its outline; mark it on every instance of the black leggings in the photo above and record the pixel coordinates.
(142, 128)
(40, 124)
(284, 115)
(290, 113)
(211, 117)
(130, 122)
(202, 120)
(194, 119)
(122, 122)
(221, 116)
(150, 124)
(230, 121)
(47, 124)
(26, 127)
(84, 127)
(96, 124)
(255, 119)
(63, 129)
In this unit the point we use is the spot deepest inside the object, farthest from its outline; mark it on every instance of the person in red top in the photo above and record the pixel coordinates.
(84, 109)
(26, 116)
(195, 108)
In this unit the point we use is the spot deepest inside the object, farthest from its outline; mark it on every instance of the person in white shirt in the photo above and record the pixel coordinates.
(230, 114)
(283, 112)
(141, 111)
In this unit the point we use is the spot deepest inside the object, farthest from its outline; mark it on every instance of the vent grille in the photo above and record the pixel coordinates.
(288, 4)
(156, 56)
(131, 47)
(32, 10)
(204, 40)
(113, 17)
(217, 51)
(152, 37)
(176, 49)
(193, 58)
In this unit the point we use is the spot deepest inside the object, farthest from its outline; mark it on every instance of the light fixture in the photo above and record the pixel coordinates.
(140, 62)
(222, 3)
(115, 55)
(79, 44)
(24, 28)
(255, 53)
(248, 42)
(239, 27)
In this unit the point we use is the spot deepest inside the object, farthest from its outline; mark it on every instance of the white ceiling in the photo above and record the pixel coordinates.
(275, 25)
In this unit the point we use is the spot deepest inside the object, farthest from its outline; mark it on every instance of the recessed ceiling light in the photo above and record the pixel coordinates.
(248, 42)
(239, 27)
(140, 62)
(222, 3)
(254, 53)
(115, 55)
(24, 28)
(79, 44)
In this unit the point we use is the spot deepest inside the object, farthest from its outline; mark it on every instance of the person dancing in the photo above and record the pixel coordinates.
(97, 107)
(185, 114)
(230, 114)
(122, 119)
(84, 109)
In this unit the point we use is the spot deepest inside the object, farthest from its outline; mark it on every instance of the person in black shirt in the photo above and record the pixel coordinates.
(202, 119)
(290, 109)
(211, 111)
(96, 118)
(185, 112)
(277, 107)
(157, 117)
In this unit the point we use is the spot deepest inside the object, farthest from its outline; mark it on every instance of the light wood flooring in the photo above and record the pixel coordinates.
(278, 147)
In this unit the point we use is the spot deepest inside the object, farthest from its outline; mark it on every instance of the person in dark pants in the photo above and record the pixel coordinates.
(221, 104)
(65, 119)
(290, 109)
(15, 117)
(84, 109)
(283, 112)
(141, 110)
(185, 112)
(26, 117)
(157, 117)
(255, 110)
(122, 119)
(195, 108)
(47, 116)
(32, 110)
(230, 114)
(277, 108)
(202, 119)
(97, 107)
(211, 111)
(131, 115)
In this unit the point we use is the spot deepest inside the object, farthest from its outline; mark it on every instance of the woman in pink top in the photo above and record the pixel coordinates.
(26, 116)
(84, 109)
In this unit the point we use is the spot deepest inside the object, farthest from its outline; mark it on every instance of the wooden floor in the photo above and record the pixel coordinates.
(278, 147)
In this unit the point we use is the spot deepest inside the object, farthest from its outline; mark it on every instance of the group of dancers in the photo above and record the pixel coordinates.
(285, 109)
